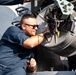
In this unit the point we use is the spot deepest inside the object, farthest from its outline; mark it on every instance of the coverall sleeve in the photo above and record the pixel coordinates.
(10, 2)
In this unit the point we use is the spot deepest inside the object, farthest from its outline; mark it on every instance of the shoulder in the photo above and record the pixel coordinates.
(13, 29)
(11, 2)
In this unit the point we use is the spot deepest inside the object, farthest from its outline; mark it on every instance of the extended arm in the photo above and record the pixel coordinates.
(35, 40)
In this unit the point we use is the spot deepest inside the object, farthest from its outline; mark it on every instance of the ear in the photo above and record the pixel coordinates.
(23, 26)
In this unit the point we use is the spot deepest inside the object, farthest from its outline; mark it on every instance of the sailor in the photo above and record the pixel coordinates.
(18, 47)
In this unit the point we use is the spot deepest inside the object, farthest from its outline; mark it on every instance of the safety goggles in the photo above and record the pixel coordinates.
(32, 26)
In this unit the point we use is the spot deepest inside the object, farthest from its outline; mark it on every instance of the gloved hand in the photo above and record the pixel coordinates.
(47, 30)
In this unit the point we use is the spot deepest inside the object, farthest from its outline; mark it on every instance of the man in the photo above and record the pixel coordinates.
(12, 2)
(18, 46)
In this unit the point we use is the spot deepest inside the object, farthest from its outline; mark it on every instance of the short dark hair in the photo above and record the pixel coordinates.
(25, 16)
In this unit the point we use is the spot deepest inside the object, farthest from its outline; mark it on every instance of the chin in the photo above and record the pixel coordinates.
(33, 34)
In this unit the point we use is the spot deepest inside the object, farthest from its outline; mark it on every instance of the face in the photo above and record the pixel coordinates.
(30, 26)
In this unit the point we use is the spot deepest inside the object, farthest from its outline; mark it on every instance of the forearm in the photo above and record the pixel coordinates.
(27, 1)
(36, 40)
(33, 41)
(40, 38)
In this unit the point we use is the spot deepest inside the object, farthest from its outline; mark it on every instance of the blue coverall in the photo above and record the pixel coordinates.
(14, 57)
